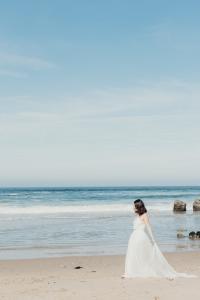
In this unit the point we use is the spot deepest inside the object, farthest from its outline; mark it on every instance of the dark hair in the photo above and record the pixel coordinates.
(140, 207)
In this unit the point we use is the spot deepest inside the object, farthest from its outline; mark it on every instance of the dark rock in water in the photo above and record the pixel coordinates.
(78, 267)
(198, 234)
(196, 205)
(180, 235)
(192, 235)
(179, 206)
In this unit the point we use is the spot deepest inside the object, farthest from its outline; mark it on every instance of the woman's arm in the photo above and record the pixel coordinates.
(148, 227)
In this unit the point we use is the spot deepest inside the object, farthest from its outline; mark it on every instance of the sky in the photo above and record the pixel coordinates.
(99, 93)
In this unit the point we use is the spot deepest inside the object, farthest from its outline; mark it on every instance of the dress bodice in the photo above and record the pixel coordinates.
(138, 224)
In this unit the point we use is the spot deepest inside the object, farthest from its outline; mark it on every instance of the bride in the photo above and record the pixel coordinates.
(143, 257)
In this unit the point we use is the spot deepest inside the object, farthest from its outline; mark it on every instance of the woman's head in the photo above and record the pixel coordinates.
(140, 208)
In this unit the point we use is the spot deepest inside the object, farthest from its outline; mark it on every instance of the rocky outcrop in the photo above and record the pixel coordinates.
(198, 234)
(179, 206)
(192, 235)
(180, 235)
(196, 205)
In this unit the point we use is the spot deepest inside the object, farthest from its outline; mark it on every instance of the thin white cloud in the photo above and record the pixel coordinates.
(165, 98)
(173, 36)
(12, 73)
(35, 63)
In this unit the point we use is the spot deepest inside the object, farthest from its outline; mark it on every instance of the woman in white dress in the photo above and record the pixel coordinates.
(143, 257)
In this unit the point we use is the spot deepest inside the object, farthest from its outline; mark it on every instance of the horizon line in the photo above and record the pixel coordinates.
(92, 186)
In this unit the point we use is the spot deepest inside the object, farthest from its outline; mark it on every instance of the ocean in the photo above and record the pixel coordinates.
(50, 222)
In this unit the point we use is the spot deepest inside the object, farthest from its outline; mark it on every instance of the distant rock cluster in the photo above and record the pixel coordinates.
(180, 206)
(192, 235)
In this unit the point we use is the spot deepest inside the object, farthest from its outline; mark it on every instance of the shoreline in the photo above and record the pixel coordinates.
(181, 250)
(99, 278)
(23, 254)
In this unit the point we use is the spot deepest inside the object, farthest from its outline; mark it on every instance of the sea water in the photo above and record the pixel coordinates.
(46, 222)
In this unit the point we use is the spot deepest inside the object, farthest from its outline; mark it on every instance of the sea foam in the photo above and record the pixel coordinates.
(75, 209)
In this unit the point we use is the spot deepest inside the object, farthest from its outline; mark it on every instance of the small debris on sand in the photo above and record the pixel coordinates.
(78, 267)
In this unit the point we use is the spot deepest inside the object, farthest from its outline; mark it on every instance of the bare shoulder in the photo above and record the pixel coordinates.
(145, 217)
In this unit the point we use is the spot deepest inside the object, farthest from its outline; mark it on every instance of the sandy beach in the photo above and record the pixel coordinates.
(99, 278)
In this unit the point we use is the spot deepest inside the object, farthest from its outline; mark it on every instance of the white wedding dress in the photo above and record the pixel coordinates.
(144, 258)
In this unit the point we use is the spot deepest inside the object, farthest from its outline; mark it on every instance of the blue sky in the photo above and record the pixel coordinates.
(99, 92)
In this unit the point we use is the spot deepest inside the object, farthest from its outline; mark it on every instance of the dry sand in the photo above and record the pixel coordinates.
(100, 279)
